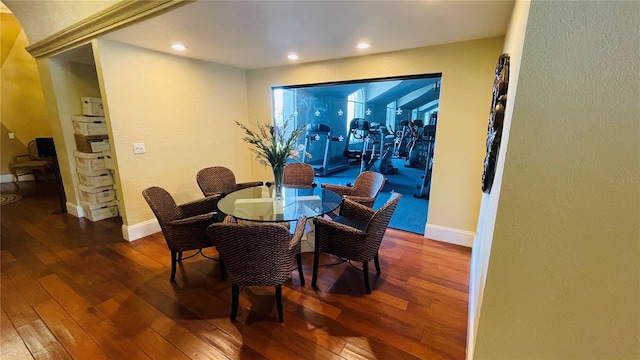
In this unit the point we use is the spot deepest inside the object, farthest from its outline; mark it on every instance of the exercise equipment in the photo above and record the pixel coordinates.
(429, 140)
(406, 140)
(381, 137)
(385, 165)
(358, 134)
(376, 152)
(417, 148)
(400, 143)
(320, 135)
(383, 140)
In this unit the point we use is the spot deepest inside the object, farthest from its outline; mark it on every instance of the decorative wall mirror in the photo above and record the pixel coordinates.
(496, 120)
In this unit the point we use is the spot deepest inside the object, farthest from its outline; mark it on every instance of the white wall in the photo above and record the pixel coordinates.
(181, 109)
(564, 274)
(489, 205)
(467, 77)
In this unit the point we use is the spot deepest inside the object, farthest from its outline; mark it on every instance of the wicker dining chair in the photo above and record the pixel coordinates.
(258, 254)
(218, 180)
(184, 226)
(298, 175)
(364, 191)
(354, 235)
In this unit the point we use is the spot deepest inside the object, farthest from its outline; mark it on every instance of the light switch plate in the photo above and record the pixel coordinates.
(138, 148)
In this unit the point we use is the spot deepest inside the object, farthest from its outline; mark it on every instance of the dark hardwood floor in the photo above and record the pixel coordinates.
(73, 289)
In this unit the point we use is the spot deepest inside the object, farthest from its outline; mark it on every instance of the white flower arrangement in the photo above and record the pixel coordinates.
(270, 145)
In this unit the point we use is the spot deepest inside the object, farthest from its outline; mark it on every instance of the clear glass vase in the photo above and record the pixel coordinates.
(278, 175)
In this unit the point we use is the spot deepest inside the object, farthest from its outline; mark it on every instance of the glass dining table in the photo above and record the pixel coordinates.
(258, 203)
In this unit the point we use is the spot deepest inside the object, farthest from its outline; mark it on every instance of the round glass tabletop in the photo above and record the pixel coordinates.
(257, 203)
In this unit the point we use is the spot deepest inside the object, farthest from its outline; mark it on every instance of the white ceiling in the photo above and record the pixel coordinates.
(258, 34)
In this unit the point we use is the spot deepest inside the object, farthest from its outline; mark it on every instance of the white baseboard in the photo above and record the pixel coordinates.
(129, 233)
(140, 230)
(450, 235)
(75, 210)
(6, 178)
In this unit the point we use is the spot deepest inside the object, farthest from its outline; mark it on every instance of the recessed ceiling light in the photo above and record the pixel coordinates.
(363, 45)
(178, 47)
(292, 57)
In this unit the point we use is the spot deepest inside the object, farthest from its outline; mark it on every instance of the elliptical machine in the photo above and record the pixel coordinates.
(417, 149)
(358, 130)
(400, 143)
(385, 141)
(429, 132)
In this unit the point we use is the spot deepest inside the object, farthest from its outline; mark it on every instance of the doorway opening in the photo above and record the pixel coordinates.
(386, 125)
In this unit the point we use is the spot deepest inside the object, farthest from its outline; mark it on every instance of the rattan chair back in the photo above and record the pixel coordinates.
(258, 254)
(377, 227)
(298, 175)
(354, 235)
(368, 184)
(215, 180)
(184, 226)
(365, 190)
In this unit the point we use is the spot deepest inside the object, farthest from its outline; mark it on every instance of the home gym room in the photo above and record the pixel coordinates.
(386, 125)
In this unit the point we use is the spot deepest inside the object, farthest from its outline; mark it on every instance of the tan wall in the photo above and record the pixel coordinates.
(22, 106)
(564, 275)
(489, 204)
(181, 109)
(67, 81)
(467, 76)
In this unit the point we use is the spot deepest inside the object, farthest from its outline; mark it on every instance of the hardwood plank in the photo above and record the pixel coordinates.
(110, 338)
(140, 333)
(11, 344)
(311, 303)
(72, 288)
(125, 306)
(70, 334)
(6, 257)
(439, 289)
(139, 258)
(364, 349)
(285, 337)
(191, 327)
(40, 341)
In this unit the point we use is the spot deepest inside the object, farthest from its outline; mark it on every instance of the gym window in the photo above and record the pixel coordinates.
(355, 107)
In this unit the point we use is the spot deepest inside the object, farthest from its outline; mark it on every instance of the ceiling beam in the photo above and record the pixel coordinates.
(110, 19)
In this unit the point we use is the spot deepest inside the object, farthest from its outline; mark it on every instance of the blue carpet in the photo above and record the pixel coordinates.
(411, 213)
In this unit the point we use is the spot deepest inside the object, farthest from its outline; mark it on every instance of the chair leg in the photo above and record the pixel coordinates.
(316, 256)
(279, 302)
(377, 263)
(174, 260)
(316, 259)
(300, 274)
(235, 295)
(179, 256)
(365, 270)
